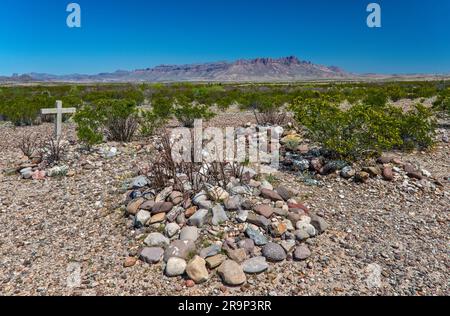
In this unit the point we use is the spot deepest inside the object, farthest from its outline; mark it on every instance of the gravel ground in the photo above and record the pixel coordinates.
(51, 228)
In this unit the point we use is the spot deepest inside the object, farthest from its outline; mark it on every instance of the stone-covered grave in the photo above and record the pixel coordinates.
(233, 231)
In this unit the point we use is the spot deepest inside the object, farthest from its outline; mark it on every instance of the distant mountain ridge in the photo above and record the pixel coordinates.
(244, 70)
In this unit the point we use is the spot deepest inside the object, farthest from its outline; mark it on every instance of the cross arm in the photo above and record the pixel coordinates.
(68, 110)
(49, 111)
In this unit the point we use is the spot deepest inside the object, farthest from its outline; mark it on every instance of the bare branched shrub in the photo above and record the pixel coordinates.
(271, 117)
(28, 144)
(166, 171)
(52, 150)
(121, 129)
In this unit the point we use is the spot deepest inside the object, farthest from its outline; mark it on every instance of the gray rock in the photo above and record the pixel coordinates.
(258, 220)
(281, 212)
(288, 224)
(256, 236)
(333, 166)
(176, 197)
(199, 218)
(231, 273)
(58, 171)
(266, 185)
(199, 197)
(347, 172)
(164, 194)
(307, 228)
(274, 252)
(147, 205)
(26, 173)
(207, 205)
(210, 251)
(139, 182)
(233, 203)
(302, 252)
(181, 219)
(219, 215)
(189, 233)
(285, 193)
(288, 245)
(247, 244)
(151, 254)
(180, 249)
(239, 255)
(255, 265)
(241, 190)
(175, 267)
(445, 139)
(174, 213)
(171, 229)
(157, 240)
(249, 172)
(319, 223)
(248, 204)
(142, 217)
(301, 164)
(242, 216)
(301, 235)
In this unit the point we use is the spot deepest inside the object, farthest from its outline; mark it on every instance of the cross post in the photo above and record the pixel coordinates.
(59, 111)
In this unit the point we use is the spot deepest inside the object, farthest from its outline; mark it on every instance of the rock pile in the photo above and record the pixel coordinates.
(230, 231)
(313, 164)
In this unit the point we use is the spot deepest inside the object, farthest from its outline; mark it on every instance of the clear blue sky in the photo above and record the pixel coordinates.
(415, 35)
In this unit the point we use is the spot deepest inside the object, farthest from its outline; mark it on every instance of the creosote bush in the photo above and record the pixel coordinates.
(268, 108)
(157, 116)
(120, 119)
(115, 120)
(186, 110)
(364, 130)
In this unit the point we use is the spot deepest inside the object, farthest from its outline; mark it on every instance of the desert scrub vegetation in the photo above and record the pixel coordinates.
(111, 119)
(364, 130)
(155, 117)
(269, 108)
(442, 103)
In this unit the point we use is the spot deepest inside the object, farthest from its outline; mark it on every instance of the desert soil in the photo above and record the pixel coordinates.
(49, 227)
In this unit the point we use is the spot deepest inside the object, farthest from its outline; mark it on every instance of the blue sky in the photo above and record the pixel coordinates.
(414, 37)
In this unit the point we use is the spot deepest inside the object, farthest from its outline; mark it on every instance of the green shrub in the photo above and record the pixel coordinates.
(25, 110)
(417, 128)
(442, 103)
(150, 120)
(364, 130)
(268, 107)
(115, 119)
(376, 97)
(120, 119)
(89, 125)
(186, 109)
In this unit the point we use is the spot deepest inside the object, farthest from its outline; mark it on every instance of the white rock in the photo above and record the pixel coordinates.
(142, 217)
(172, 229)
(157, 240)
(175, 267)
(189, 233)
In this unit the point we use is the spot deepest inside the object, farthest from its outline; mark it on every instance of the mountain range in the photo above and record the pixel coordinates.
(244, 70)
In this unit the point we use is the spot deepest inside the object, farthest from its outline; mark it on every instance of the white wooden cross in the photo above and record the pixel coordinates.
(59, 111)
